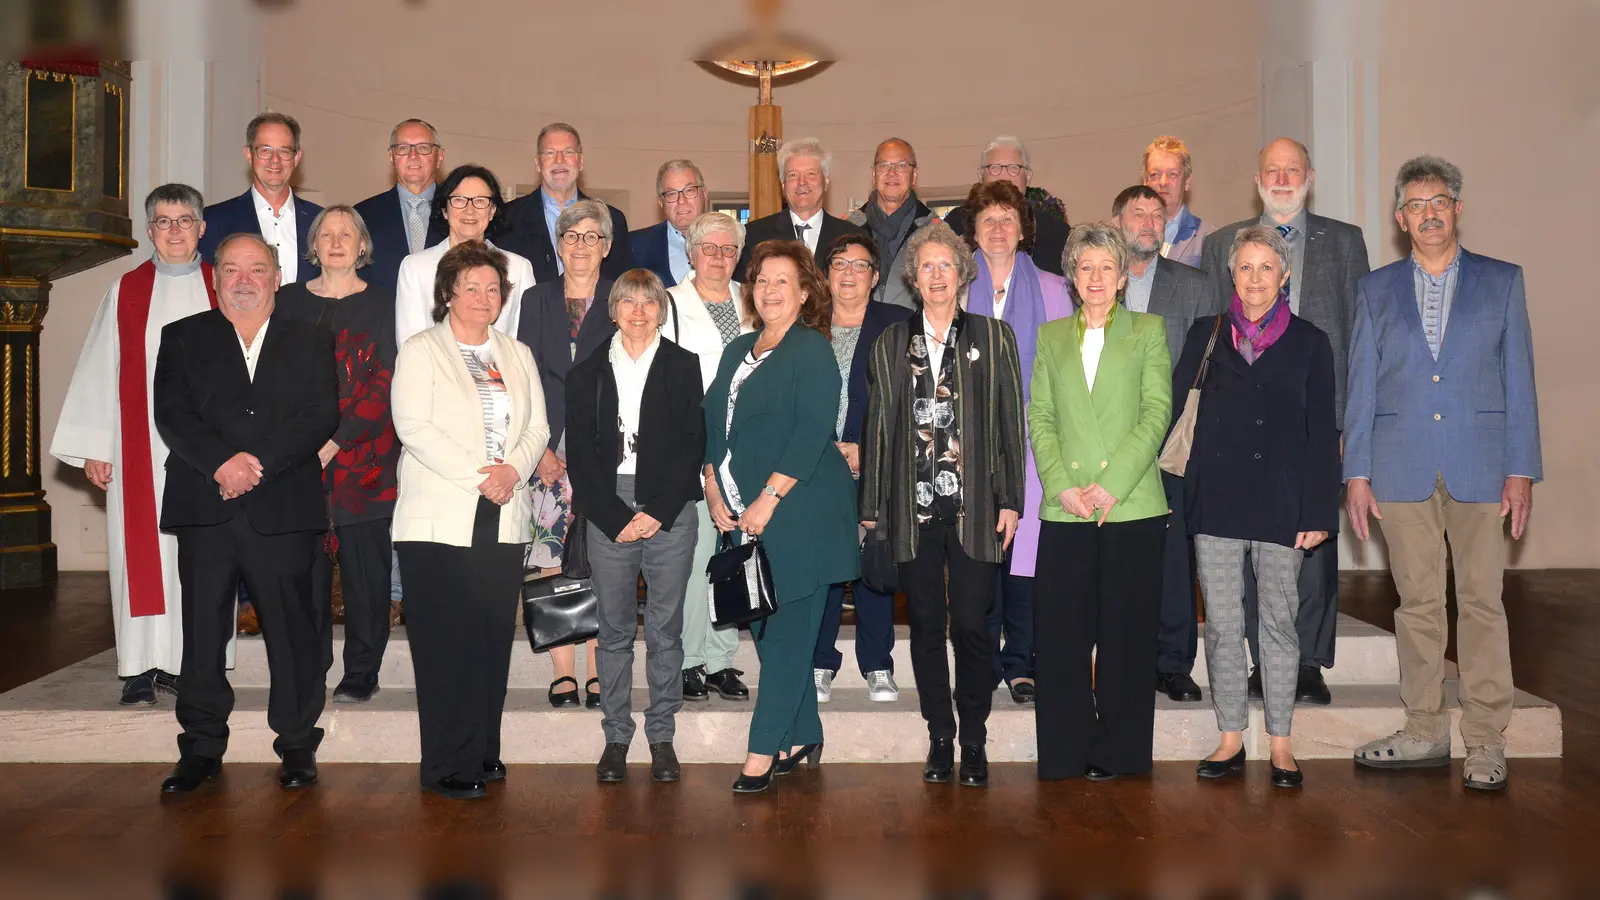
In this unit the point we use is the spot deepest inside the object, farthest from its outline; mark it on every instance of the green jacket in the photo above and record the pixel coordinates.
(1113, 435)
(783, 422)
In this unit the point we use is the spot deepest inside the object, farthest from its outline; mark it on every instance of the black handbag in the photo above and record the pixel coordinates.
(563, 609)
(878, 570)
(741, 584)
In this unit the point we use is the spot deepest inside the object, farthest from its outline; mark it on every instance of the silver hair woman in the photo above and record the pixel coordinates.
(938, 234)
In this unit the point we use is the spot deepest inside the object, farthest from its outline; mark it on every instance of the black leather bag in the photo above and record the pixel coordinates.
(563, 609)
(878, 570)
(742, 591)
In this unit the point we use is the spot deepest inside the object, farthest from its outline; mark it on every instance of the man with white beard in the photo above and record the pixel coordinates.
(107, 428)
(1326, 260)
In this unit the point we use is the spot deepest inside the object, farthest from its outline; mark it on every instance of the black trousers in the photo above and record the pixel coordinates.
(461, 612)
(1180, 622)
(277, 570)
(1095, 621)
(365, 559)
(1317, 622)
(965, 606)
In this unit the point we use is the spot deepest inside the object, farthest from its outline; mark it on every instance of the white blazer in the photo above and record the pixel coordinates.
(413, 293)
(697, 332)
(439, 419)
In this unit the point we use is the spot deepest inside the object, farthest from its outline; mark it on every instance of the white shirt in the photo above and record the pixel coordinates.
(747, 367)
(812, 234)
(1001, 298)
(278, 229)
(935, 347)
(699, 333)
(630, 374)
(252, 350)
(413, 294)
(1094, 341)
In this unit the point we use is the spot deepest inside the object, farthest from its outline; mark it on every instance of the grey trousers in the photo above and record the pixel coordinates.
(665, 560)
(702, 644)
(1220, 562)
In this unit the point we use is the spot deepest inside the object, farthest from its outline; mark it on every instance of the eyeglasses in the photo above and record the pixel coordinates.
(167, 223)
(589, 238)
(997, 169)
(938, 268)
(460, 202)
(726, 251)
(884, 168)
(688, 193)
(552, 155)
(266, 153)
(409, 149)
(1438, 203)
(839, 264)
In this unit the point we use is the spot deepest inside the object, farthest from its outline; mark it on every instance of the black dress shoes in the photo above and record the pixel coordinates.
(694, 685)
(755, 784)
(613, 765)
(299, 769)
(941, 762)
(664, 763)
(727, 684)
(190, 773)
(1021, 691)
(1287, 778)
(974, 766)
(812, 752)
(1221, 768)
(1311, 688)
(1179, 687)
(166, 683)
(452, 788)
(591, 696)
(1095, 773)
(1253, 685)
(493, 770)
(355, 689)
(140, 690)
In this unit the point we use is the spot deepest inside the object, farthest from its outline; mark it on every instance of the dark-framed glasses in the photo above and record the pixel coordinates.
(726, 251)
(167, 223)
(1437, 203)
(417, 149)
(460, 202)
(995, 170)
(266, 153)
(688, 192)
(589, 238)
(861, 266)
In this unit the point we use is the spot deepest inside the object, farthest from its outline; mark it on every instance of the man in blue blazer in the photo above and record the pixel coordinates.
(1442, 429)
(401, 220)
(269, 209)
(663, 248)
(560, 161)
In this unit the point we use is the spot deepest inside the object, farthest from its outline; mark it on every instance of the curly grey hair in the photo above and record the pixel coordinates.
(1095, 236)
(1426, 168)
(940, 233)
(585, 209)
(1263, 235)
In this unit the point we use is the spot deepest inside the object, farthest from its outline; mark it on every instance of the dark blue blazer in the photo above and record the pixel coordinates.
(529, 236)
(879, 316)
(544, 327)
(386, 222)
(238, 216)
(650, 251)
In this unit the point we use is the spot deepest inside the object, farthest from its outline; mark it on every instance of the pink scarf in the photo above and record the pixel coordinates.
(1252, 339)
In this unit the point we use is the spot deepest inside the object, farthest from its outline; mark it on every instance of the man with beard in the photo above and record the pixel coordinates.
(559, 159)
(1327, 259)
(1178, 294)
(891, 215)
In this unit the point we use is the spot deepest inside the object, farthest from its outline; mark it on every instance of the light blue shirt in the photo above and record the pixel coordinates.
(677, 254)
(1174, 223)
(418, 204)
(1435, 293)
(552, 211)
(1137, 295)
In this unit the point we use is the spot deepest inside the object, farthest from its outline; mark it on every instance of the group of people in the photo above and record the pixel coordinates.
(446, 378)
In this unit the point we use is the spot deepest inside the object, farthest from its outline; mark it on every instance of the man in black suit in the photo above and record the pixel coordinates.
(532, 218)
(1005, 159)
(803, 165)
(401, 219)
(244, 400)
(663, 248)
(1179, 294)
(269, 209)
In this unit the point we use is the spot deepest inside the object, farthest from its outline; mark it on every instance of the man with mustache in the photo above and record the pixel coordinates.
(269, 208)
(1327, 258)
(559, 160)
(244, 400)
(892, 214)
(1443, 428)
(1178, 294)
(803, 166)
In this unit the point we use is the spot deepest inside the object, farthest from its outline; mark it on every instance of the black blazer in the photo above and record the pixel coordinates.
(879, 316)
(386, 222)
(672, 439)
(207, 409)
(544, 328)
(1049, 237)
(1265, 460)
(780, 227)
(650, 251)
(529, 236)
(238, 216)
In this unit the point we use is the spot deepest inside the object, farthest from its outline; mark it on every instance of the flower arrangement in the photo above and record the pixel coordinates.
(1046, 204)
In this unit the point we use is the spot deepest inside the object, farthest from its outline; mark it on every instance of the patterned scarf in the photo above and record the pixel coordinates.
(1252, 339)
(934, 414)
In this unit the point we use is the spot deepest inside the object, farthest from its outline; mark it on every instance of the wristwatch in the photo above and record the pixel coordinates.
(772, 491)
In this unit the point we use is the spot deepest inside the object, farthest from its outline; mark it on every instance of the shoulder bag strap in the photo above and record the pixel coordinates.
(1205, 361)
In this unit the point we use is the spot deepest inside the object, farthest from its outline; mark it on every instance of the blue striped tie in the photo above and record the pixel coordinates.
(1286, 231)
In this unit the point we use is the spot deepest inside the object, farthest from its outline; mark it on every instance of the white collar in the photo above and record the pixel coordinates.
(815, 221)
(262, 206)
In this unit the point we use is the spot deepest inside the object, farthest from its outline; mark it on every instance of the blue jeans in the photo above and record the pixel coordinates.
(874, 631)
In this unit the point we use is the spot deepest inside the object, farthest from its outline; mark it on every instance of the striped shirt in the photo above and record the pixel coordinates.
(1435, 293)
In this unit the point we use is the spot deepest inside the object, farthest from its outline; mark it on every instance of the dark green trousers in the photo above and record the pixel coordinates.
(786, 697)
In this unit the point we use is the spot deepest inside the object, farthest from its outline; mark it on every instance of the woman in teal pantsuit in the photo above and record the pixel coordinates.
(772, 470)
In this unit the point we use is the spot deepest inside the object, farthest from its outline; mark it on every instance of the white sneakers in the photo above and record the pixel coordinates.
(881, 686)
(824, 681)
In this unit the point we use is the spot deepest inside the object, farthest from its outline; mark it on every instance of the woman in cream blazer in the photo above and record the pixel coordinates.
(469, 410)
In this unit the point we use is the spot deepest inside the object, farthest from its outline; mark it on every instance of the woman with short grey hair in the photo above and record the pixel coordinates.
(966, 267)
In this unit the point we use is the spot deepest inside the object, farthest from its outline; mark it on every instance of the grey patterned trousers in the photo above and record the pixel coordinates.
(1220, 562)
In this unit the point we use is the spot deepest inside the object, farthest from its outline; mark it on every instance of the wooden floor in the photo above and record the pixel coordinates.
(366, 831)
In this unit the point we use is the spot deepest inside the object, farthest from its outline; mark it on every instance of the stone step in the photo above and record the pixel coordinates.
(73, 716)
(1365, 654)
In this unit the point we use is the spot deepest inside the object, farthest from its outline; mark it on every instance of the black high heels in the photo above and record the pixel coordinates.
(811, 752)
(1221, 768)
(755, 784)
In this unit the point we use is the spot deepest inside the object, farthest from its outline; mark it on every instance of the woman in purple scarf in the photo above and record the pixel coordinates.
(1262, 483)
(1009, 287)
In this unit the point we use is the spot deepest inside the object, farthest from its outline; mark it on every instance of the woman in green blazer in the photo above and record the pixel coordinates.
(1101, 404)
(772, 470)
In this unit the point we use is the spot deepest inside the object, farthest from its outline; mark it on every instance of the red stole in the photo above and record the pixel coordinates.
(140, 527)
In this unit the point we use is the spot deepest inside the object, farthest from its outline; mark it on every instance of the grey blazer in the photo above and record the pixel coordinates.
(1180, 294)
(1336, 261)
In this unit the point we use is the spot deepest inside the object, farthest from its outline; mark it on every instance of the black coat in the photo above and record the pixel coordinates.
(879, 316)
(1265, 460)
(1049, 237)
(780, 227)
(207, 409)
(545, 328)
(386, 222)
(672, 439)
(529, 236)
